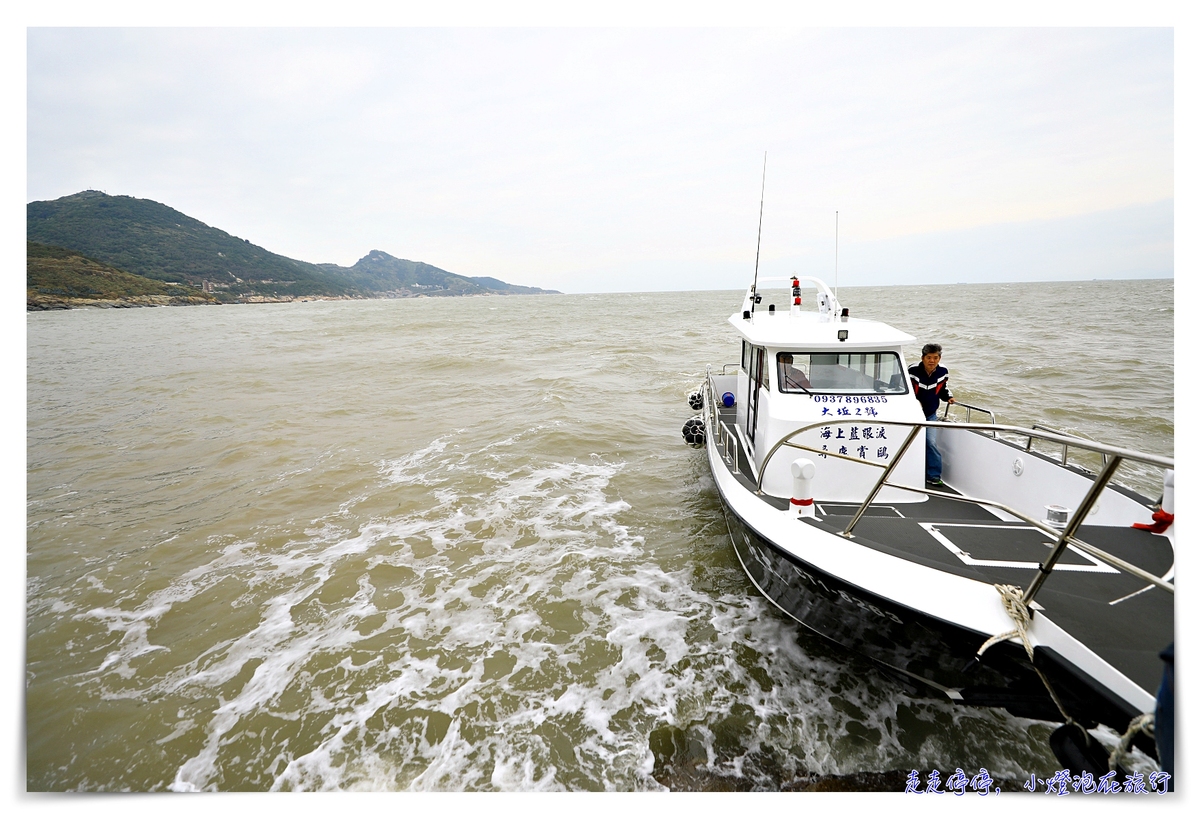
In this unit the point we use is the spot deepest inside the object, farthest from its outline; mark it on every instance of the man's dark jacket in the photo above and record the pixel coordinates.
(930, 389)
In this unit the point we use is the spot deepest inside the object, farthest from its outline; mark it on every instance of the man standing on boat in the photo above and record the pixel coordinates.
(931, 384)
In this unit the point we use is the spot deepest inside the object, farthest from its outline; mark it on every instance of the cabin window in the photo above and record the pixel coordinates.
(858, 373)
(745, 356)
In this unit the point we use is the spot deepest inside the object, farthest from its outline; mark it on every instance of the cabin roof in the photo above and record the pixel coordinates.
(810, 330)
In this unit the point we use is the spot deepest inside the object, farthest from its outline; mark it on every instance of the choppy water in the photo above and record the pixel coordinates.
(459, 544)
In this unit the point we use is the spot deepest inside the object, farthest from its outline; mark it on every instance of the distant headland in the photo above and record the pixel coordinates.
(95, 250)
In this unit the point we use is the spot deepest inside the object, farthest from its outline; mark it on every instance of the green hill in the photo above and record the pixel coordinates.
(56, 276)
(151, 240)
(379, 272)
(155, 241)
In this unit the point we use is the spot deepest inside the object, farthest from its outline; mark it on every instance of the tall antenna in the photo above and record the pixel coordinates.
(758, 249)
(835, 252)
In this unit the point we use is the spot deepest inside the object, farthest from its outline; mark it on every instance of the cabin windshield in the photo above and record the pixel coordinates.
(856, 373)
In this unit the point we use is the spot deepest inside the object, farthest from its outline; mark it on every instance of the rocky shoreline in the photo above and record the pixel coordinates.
(58, 303)
(43, 302)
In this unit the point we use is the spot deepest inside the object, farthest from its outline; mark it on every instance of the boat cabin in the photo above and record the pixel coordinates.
(800, 367)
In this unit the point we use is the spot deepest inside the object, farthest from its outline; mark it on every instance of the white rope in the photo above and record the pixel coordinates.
(1010, 595)
(1143, 723)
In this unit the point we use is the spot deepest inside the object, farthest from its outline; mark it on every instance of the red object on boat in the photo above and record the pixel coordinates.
(1162, 521)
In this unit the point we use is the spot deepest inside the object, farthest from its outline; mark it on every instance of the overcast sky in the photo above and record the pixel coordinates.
(589, 160)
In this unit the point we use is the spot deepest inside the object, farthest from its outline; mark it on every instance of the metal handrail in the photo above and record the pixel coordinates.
(1113, 457)
(970, 408)
(726, 436)
(1103, 556)
(1077, 442)
(1063, 457)
(713, 422)
(1029, 442)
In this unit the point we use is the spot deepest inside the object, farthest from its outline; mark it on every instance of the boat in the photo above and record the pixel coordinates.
(1029, 581)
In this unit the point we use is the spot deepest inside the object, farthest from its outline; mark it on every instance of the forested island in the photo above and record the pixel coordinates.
(92, 249)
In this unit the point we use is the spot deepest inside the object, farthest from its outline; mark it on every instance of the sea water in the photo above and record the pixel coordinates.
(459, 544)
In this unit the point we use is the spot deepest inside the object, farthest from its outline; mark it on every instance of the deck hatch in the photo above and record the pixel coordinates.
(1008, 546)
